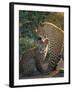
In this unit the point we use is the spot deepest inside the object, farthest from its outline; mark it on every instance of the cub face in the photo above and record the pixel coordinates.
(42, 47)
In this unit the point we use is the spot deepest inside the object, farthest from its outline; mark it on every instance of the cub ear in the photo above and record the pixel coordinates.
(41, 24)
(46, 41)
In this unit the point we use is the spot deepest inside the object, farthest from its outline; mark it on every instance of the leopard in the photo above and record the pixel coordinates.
(33, 58)
(55, 53)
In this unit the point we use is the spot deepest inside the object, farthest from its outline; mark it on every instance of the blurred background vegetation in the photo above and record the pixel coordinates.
(29, 21)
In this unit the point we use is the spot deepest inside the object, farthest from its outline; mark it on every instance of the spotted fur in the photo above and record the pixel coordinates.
(56, 37)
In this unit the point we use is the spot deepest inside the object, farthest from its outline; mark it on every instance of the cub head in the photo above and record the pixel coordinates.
(42, 45)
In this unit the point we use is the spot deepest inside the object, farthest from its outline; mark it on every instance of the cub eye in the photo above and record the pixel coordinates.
(39, 38)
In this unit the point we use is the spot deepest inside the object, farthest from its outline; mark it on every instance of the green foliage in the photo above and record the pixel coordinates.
(25, 43)
(30, 20)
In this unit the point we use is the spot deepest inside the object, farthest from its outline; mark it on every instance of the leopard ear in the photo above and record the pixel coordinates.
(46, 41)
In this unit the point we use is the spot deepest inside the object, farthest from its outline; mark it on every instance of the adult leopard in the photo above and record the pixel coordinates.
(55, 36)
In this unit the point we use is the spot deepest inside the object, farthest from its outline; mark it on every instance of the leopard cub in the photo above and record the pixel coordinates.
(32, 60)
